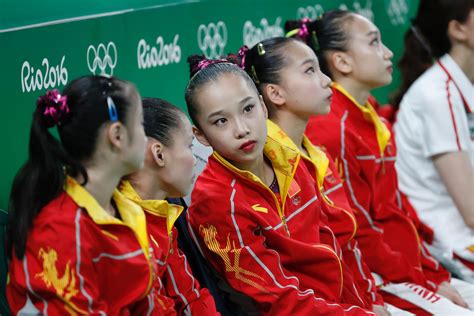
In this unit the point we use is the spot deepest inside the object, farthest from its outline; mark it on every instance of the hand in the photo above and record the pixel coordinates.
(447, 290)
(380, 310)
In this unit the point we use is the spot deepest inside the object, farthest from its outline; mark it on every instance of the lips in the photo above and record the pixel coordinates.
(248, 146)
(390, 68)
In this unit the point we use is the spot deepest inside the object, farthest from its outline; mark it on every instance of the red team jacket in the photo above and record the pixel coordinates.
(365, 156)
(81, 260)
(177, 280)
(267, 246)
(337, 211)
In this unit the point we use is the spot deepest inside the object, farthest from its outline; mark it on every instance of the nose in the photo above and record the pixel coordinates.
(325, 80)
(388, 54)
(241, 128)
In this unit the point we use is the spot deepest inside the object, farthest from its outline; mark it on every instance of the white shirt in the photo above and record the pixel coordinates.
(433, 120)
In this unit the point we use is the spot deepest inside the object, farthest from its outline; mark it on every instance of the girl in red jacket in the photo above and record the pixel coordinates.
(350, 49)
(168, 173)
(255, 213)
(294, 88)
(77, 245)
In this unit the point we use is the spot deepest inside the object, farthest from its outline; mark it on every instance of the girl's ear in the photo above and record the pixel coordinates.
(275, 94)
(342, 62)
(264, 107)
(200, 136)
(157, 153)
(116, 135)
(457, 31)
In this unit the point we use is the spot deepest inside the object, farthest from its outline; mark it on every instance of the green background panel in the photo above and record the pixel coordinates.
(54, 37)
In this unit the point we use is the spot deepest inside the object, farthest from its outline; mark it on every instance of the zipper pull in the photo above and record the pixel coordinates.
(283, 220)
(171, 242)
(383, 163)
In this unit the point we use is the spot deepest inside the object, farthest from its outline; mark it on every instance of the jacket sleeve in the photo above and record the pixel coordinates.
(435, 273)
(52, 279)
(389, 264)
(229, 239)
(183, 288)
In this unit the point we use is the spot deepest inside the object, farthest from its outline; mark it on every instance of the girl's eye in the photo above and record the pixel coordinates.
(310, 70)
(374, 41)
(248, 108)
(220, 121)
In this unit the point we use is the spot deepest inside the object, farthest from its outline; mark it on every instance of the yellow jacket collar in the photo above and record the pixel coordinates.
(155, 207)
(382, 132)
(284, 161)
(132, 215)
(316, 156)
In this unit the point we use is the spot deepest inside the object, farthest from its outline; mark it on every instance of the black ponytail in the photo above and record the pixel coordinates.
(427, 39)
(42, 177)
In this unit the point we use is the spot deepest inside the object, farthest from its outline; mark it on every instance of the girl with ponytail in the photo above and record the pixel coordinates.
(76, 244)
(351, 51)
(255, 213)
(435, 126)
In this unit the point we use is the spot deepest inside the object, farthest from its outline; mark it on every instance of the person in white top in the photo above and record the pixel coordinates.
(434, 130)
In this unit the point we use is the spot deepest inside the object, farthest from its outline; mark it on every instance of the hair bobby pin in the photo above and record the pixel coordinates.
(254, 74)
(315, 42)
(112, 109)
(260, 49)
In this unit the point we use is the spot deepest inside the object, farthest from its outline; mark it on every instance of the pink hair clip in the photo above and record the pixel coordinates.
(242, 53)
(55, 107)
(303, 31)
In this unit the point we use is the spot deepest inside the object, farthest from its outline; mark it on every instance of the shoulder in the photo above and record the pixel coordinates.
(430, 88)
(321, 129)
(58, 223)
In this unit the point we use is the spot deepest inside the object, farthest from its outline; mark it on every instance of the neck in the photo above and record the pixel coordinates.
(146, 184)
(355, 89)
(292, 125)
(101, 185)
(464, 57)
(261, 167)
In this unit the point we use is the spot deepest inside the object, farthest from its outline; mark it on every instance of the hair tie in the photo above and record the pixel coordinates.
(202, 64)
(242, 53)
(55, 106)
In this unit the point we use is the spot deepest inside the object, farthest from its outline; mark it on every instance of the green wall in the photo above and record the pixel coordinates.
(45, 44)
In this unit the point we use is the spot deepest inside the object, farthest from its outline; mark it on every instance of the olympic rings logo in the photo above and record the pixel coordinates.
(103, 58)
(397, 10)
(357, 7)
(212, 39)
(311, 12)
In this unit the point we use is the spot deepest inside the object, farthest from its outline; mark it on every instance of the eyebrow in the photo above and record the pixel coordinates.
(220, 112)
(309, 61)
(375, 32)
(244, 100)
(215, 113)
